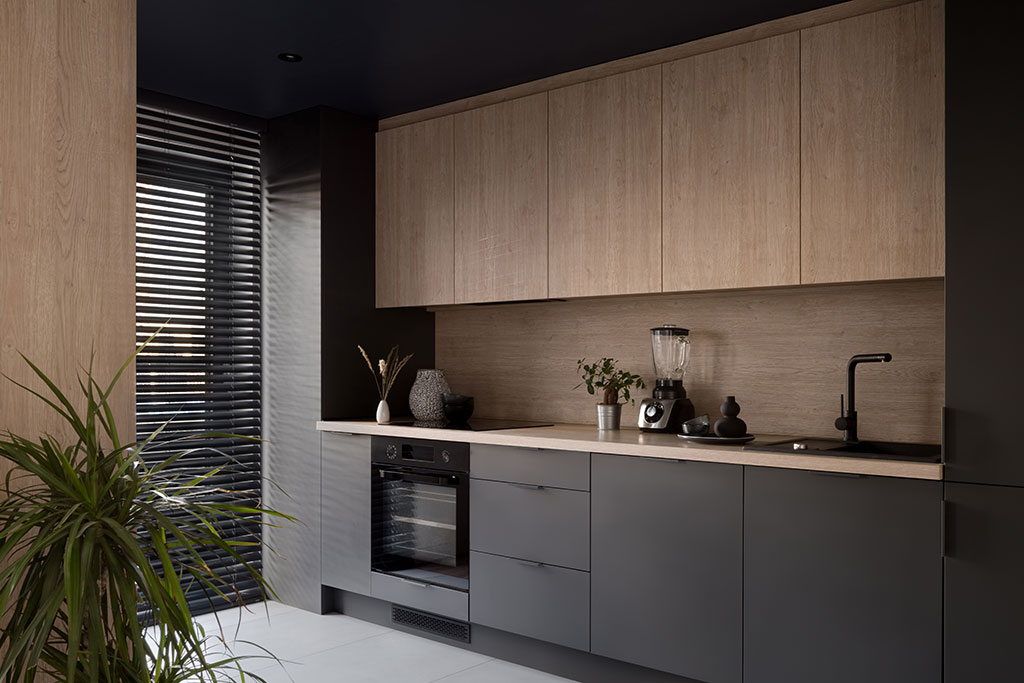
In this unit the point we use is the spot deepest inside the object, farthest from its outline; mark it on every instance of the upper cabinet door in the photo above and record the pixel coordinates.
(605, 186)
(501, 201)
(415, 222)
(872, 125)
(732, 167)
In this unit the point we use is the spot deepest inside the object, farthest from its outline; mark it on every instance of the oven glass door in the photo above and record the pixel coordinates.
(420, 525)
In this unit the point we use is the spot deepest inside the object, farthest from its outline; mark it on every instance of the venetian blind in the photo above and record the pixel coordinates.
(198, 276)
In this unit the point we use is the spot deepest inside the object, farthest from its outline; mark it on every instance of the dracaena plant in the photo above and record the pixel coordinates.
(88, 530)
(602, 374)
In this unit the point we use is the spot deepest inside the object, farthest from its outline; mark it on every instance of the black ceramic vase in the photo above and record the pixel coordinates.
(729, 425)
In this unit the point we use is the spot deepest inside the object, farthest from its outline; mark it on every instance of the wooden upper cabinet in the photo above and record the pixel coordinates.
(501, 201)
(873, 204)
(415, 215)
(605, 186)
(732, 167)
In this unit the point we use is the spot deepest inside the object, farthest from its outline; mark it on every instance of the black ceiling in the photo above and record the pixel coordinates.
(384, 57)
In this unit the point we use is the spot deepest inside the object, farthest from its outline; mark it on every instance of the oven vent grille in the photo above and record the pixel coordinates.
(447, 628)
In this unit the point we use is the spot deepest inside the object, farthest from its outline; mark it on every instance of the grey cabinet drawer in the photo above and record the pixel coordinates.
(534, 600)
(562, 469)
(530, 522)
(434, 599)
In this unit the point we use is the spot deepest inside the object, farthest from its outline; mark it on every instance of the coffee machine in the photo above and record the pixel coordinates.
(669, 408)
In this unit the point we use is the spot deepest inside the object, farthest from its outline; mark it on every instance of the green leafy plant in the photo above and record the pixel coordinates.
(79, 524)
(603, 375)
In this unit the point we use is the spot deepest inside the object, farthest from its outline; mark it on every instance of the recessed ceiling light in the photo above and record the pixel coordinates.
(290, 57)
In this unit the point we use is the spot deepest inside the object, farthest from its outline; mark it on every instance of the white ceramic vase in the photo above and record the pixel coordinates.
(383, 413)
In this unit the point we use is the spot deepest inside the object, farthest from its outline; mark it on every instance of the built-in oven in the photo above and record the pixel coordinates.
(420, 512)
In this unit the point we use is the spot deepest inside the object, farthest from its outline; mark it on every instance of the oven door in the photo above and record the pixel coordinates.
(421, 525)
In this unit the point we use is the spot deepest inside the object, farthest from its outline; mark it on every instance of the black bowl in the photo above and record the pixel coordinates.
(458, 409)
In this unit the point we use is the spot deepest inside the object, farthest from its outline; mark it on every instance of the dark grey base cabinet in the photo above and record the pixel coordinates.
(841, 578)
(666, 566)
(345, 511)
(984, 591)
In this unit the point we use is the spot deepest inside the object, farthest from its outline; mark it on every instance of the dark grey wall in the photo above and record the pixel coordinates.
(318, 288)
(291, 356)
(347, 278)
(984, 241)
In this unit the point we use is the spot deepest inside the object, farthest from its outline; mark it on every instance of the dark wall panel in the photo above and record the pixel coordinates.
(318, 290)
(347, 278)
(291, 356)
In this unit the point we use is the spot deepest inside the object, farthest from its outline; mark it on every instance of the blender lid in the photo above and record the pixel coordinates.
(670, 329)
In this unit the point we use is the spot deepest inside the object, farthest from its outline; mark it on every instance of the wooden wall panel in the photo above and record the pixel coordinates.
(501, 202)
(782, 352)
(604, 186)
(67, 198)
(732, 167)
(873, 146)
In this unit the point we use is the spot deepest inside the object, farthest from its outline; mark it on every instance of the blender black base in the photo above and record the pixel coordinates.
(665, 415)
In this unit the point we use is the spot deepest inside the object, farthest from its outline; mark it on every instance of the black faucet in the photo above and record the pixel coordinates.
(847, 420)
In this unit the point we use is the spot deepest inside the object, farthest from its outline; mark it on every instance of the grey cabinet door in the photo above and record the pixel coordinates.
(666, 565)
(345, 512)
(842, 578)
(984, 589)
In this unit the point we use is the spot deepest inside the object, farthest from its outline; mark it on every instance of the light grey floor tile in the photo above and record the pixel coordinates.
(497, 671)
(390, 658)
(334, 647)
(293, 635)
(257, 611)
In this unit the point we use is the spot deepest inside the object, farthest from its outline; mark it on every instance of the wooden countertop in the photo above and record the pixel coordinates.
(575, 437)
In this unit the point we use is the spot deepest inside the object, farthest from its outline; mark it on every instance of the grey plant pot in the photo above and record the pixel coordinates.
(609, 417)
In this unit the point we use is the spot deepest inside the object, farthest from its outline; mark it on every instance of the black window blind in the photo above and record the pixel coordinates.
(197, 218)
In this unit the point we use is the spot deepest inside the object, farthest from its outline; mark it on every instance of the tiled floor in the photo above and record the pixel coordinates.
(334, 647)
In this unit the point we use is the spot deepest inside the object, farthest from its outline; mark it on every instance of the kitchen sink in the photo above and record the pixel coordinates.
(884, 450)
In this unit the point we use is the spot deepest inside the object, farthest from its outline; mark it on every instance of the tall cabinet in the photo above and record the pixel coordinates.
(984, 593)
(605, 186)
(872, 146)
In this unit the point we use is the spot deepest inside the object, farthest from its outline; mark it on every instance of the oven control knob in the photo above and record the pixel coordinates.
(392, 451)
(446, 456)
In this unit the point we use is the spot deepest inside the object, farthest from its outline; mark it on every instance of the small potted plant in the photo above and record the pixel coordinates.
(603, 375)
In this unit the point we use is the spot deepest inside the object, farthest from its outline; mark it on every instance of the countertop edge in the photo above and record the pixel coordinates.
(631, 442)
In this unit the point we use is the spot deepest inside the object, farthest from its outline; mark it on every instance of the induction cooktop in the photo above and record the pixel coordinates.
(476, 424)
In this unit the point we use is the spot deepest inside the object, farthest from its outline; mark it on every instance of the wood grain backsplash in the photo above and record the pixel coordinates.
(782, 352)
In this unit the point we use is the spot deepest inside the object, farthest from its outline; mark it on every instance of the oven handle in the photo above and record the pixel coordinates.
(418, 478)
(421, 584)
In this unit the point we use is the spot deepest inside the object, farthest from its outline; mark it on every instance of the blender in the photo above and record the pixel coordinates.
(668, 408)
